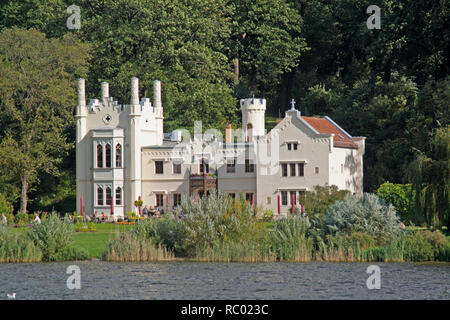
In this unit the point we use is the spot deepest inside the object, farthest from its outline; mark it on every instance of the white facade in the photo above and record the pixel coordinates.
(123, 155)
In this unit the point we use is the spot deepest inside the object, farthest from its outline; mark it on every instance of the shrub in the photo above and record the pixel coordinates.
(368, 214)
(318, 201)
(165, 231)
(267, 215)
(402, 197)
(217, 217)
(52, 236)
(21, 219)
(6, 208)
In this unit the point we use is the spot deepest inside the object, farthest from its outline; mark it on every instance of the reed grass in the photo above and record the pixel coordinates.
(17, 248)
(127, 247)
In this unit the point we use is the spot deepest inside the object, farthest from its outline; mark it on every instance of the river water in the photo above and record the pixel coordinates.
(192, 281)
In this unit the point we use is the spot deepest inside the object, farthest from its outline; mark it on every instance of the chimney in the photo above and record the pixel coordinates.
(134, 91)
(105, 90)
(157, 94)
(228, 133)
(81, 93)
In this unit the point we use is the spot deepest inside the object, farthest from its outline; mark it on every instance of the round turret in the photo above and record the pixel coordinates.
(253, 112)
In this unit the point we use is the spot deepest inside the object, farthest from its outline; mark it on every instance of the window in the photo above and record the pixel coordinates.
(99, 156)
(295, 146)
(249, 132)
(99, 196)
(249, 167)
(204, 167)
(159, 167)
(284, 198)
(293, 197)
(301, 196)
(289, 146)
(118, 196)
(249, 196)
(301, 169)
(177, 168)
(118, 156)
(292, 169)
(159, 200)
(232, 195)
(108, 196)
(284, 169)
(108, 155)
(316, 170)
(269, 200)
(342, 168)
(176, 199)
(231, 165)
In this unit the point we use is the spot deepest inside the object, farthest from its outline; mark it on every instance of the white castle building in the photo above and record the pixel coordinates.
(123, 154)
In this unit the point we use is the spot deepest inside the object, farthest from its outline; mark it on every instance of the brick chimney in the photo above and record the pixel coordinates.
(228, 133)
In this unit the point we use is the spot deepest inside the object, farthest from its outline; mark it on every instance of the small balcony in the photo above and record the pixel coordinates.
(201, 183)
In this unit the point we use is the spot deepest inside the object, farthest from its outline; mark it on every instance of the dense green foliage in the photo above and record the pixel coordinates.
(52, 236)
(391, 85)
(362, 230)
(402, 197)
(317, 201)
(431, 179)
(16, 248)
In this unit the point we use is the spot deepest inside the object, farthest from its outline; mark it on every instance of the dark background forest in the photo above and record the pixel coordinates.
(391, 85)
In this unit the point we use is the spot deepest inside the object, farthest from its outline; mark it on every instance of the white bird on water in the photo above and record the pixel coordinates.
(11, 296)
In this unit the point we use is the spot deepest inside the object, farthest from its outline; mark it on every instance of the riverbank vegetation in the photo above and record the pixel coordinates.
(221, 229)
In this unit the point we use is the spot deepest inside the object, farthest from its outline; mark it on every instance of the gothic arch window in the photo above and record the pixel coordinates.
(108, 196)
(99, 196)
(108, 155)
(118, 196)
(99, 156)
(118, 156)
(249, 132)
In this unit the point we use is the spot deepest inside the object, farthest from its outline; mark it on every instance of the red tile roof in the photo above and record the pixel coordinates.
(322, 125)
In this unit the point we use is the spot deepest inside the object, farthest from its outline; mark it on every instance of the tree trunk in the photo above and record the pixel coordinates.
(236, 70)
(253, 80)
(23, 195)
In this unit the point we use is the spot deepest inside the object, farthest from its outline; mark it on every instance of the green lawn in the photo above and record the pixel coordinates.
(95, 242)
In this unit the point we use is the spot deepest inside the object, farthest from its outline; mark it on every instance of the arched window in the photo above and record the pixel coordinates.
(108, 155)
(118, 156)
(99, 156)
(108, 196)
(249, 132)
(118, 196)
(204, 167)
(99, 196)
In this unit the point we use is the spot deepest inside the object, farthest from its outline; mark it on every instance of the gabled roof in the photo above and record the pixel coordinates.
(326, 125)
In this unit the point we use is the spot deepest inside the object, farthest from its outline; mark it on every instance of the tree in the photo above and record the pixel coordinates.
(267, 41)
(430, 173)
(37, 101)
(182, 43)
